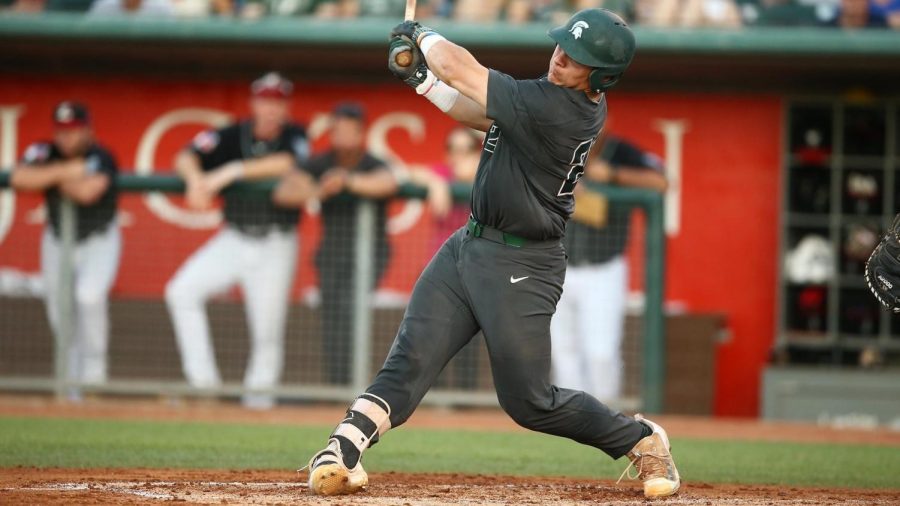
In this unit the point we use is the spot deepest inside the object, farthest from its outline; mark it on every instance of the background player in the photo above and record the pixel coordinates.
(503, 272)
(590, 317)
(257, 247)
(75, 167)
(345, 169)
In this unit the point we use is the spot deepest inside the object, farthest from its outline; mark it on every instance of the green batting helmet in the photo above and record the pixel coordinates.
(599, 39)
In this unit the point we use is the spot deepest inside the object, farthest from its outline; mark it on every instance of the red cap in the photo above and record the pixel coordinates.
(71, 114)
(272, 85)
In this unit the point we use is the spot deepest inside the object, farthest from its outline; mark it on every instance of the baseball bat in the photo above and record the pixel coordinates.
(405, 58)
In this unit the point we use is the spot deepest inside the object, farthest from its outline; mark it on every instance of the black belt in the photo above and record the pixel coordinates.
(492, 234)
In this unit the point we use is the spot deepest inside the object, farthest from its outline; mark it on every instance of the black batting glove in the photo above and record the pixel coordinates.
(417, 71)
(411, 29)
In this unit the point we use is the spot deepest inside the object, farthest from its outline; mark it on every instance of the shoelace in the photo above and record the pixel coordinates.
(640, 470)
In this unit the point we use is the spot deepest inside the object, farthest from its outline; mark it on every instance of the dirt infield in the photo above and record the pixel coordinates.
(25, 485)
(108, 486)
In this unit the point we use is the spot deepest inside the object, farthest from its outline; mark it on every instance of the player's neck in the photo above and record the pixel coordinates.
(348, 158)
(265, 134)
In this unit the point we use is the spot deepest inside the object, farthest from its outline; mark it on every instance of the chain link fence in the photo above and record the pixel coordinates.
(303, 312)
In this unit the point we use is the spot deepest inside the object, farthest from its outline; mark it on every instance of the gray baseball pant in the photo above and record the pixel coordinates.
(510, 294)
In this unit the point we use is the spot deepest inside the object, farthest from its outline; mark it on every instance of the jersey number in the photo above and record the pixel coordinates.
(579, 158)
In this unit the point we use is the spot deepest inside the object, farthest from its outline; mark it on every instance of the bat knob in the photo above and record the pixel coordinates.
(403, 59)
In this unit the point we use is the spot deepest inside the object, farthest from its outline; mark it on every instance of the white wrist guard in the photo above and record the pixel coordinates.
(429, 41)
(438, 92)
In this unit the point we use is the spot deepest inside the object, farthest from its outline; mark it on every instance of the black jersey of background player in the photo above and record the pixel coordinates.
(587, 245)
(533, 155)
(92, 218)
(339, 216)
(251, 212)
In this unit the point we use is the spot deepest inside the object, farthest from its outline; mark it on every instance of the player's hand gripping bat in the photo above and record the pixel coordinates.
(404, 58)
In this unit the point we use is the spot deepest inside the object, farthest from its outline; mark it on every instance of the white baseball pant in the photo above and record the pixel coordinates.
(95, 266)
(264, 267)
(587, 329)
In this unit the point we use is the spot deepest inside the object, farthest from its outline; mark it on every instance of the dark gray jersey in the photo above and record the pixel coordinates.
(533, 155)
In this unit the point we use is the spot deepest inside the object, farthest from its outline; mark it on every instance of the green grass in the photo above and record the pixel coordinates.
(101, 443)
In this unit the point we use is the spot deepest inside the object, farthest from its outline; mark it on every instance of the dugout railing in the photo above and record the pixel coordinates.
(647, 323)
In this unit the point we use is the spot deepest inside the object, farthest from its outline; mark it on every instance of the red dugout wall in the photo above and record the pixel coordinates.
(722, 152)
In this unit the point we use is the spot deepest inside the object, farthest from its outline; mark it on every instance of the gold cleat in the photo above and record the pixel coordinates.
(329, 476)
(652, 457)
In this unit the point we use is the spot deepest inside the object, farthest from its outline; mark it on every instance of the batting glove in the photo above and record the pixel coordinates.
(413, 74)
(411, 29)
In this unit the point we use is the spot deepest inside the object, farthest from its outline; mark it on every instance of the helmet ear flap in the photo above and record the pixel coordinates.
(600, 81)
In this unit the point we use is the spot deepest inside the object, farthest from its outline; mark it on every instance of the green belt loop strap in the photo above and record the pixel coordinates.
(477, 230)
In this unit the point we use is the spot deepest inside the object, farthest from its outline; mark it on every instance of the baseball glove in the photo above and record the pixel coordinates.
(883, 269)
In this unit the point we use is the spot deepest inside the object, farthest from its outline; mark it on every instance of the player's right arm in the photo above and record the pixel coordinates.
(187, 165)
(86, 190)
(469, 113)
(294, 189)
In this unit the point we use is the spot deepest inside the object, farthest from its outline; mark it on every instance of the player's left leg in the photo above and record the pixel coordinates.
(437, 324)
(212, 269)
(50, 273)
(515, 318)
(97, 262)
(267, 277)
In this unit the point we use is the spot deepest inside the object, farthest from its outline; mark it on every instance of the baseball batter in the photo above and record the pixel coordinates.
(257, 248)
(74, 166)
(503, 272)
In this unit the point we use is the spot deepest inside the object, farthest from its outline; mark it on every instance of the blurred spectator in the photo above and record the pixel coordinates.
(202, 8)
(346, 168)
(785, 13)
(35, 6)
(258, 8)
(696, 14)
(462, 154)
(889, 10)
(476, 11)
(24, 6)
(360, 8)
(68, 5)
(588, 325)
(73, 166)
(857, 14)
(257, 247)
(144, 8)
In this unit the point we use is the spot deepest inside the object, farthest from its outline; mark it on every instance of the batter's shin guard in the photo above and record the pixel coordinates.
(367, 419)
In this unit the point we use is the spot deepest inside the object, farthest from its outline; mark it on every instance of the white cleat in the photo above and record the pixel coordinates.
(329, 476)
(652, 457)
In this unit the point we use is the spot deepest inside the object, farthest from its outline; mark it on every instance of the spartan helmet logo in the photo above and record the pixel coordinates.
(577, 28)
